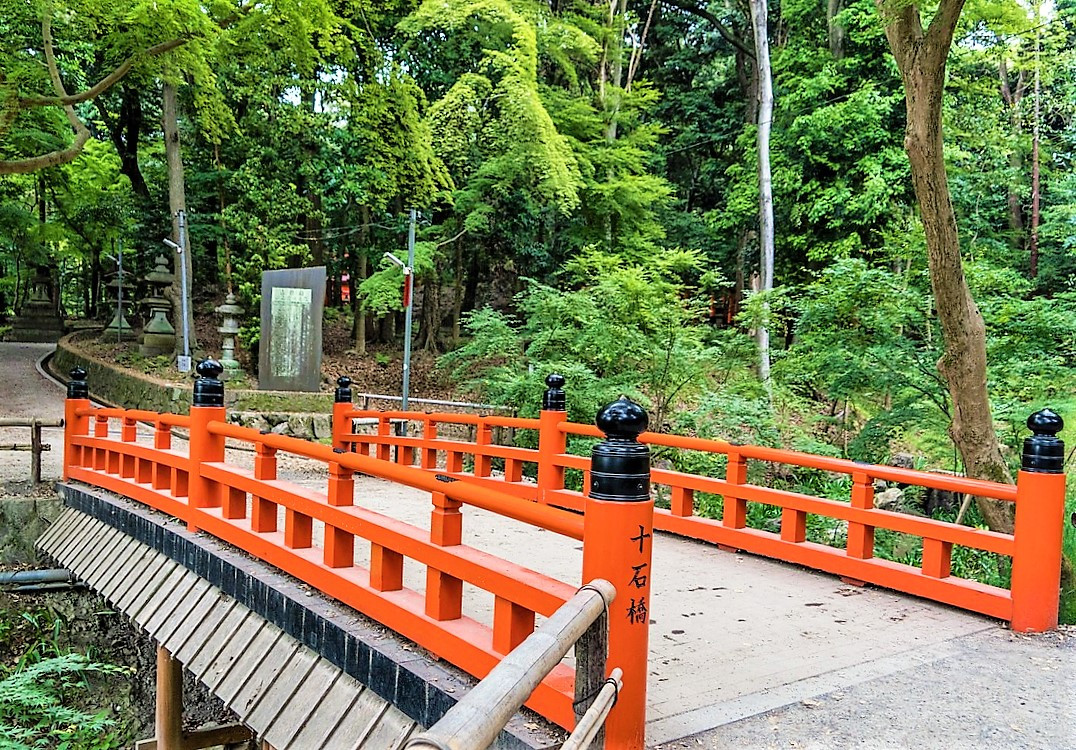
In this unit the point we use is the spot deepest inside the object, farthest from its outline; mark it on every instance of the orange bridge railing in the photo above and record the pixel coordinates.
(537, 475)
(311, 534)
(614, 517)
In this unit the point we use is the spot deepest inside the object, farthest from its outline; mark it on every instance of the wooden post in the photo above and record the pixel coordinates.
(590, 669)
(1040, 510)
(618, 535)
(169, 710)
(35, 448)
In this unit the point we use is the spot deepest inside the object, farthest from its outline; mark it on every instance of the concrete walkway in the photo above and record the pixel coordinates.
(748, 652)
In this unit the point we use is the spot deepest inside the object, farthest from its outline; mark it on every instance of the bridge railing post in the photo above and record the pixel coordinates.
(207, 406)
(341, 424)
(552, 441)
(618, 531)
(78, 397)
(1039, 526)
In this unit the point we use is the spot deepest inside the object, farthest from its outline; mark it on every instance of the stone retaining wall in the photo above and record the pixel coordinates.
(131, 390)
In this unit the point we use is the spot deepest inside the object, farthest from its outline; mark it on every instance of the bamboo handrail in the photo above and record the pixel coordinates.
(475, 722)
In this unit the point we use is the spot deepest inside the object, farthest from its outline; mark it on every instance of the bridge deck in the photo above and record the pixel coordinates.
(732, 635)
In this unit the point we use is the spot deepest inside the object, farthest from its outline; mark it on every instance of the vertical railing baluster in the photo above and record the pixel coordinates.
(861, 536)
(444, 593)
(263, 511)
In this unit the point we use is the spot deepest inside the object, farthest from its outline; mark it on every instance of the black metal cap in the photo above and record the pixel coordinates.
(208, 389)
(77, 387)
(343, 390)
(1044, 452)
(554, 398)
(620, 465)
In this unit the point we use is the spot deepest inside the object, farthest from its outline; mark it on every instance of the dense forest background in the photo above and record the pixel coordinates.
(587, 176)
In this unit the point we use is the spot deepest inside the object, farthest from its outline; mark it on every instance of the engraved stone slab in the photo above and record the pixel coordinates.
(290, 351)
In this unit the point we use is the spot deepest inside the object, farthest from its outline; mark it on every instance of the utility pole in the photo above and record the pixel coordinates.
(408, 269)
(409, 302)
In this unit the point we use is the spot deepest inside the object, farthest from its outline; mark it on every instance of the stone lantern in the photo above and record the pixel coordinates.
(158, 335)
(229, 328)
(118, 328)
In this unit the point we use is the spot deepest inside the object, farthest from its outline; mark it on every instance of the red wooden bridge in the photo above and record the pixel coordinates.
(477, 461)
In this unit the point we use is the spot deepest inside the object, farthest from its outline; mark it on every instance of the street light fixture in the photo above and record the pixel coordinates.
(409, 273)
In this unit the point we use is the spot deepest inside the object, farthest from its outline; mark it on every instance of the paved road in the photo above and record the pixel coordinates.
(748, 652)
(25, 393)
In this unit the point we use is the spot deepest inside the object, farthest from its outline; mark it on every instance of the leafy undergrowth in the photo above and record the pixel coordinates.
(44, 689)
(37, 706)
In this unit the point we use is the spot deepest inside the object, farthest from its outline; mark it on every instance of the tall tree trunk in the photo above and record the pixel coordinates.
(1035, 158)
(760, 26)
(177, 201)
(921, 57)
(834, 30)
(609, 88)
(457, 290)
(358, 275)
(1012, 98)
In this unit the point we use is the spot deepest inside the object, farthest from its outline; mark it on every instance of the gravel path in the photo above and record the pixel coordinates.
(25, 393)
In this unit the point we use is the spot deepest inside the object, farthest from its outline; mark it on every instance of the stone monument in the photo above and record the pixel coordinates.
(290, 350)
(39, 319)
(158, 335)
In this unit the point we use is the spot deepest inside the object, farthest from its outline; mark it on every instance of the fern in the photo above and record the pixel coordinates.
(35, 710)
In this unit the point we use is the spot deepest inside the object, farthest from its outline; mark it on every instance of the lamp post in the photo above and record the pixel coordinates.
(183, 362)
(408, 300)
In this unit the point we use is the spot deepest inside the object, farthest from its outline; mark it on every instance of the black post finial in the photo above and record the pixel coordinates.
(1044, 452)
(343, 390)
(208, 388)
(620, 465)
(77, 387)
(554, 398)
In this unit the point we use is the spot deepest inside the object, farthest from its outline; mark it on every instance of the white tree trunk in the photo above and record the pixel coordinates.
(759, 24)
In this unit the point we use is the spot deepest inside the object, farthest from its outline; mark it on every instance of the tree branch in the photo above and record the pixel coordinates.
(939, 35)
(904, 32)
(82, 133)
(689, 7)
(51, 159)
(105, 83)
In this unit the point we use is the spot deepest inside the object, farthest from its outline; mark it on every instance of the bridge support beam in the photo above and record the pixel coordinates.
(169, 711)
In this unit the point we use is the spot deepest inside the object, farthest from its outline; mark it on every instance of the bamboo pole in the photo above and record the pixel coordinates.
(479, 717)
